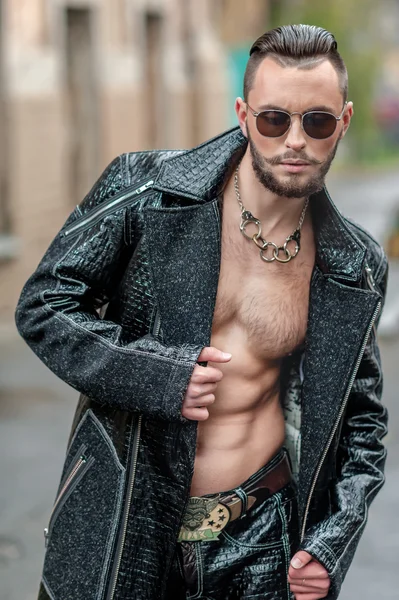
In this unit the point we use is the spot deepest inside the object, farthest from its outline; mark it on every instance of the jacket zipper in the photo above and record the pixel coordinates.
(130, 486)
(341, 411)
(370, 278)
(157, 324)
(371, 284)
(77, 468)
(97, 214)
(126, 510)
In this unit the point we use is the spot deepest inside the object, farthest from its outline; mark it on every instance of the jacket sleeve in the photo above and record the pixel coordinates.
(360, 468)
(57, 316)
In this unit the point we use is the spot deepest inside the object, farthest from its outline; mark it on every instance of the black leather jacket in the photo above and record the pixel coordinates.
(121, 306)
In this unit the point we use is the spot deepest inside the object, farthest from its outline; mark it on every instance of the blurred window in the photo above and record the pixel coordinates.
(153, 73)
(83, 122)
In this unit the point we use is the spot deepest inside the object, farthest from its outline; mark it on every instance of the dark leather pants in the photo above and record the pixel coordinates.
(249, 560)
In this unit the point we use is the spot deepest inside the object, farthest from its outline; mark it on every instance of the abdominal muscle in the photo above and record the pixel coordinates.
(245, 427)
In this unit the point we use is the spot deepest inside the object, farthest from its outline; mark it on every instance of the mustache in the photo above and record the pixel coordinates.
(278, 159)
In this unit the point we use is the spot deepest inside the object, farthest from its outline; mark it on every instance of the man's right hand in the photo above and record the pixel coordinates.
(201, 390)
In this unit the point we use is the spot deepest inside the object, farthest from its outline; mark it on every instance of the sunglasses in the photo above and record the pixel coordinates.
(317, 124)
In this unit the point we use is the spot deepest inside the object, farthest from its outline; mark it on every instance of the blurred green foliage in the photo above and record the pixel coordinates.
(353, 23)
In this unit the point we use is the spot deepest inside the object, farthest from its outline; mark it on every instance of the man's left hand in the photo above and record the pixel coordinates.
(308, 579)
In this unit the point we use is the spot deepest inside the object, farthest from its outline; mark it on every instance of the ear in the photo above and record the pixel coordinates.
(346, 118)
(241, 112)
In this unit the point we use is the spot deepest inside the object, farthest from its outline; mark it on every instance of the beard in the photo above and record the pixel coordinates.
(289, 189)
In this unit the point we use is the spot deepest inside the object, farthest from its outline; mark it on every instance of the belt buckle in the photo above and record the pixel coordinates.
(203, 520)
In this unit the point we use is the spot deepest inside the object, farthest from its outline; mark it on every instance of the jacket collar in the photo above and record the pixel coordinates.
(200, 173)
(339, 252)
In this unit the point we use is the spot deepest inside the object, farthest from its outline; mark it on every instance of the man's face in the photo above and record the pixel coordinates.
(293, 90)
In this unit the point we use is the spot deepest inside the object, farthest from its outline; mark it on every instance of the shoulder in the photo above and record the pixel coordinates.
(124, 171)
(137, 165)
(375, 257)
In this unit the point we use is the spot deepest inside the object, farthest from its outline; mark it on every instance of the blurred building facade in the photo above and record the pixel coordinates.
(82, 81)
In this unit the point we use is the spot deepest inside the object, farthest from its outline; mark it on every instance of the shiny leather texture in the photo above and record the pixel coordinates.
(120, 310)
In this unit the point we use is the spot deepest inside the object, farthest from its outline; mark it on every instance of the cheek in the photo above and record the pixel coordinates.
(268, 147)
(321, 150)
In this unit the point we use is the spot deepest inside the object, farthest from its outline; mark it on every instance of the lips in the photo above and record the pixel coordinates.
(294, 162)
(294, 167)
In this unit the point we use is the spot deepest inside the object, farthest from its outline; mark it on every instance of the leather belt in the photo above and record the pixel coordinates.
(205, 517)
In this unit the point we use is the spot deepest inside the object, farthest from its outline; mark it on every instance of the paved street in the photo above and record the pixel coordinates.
(36, 411)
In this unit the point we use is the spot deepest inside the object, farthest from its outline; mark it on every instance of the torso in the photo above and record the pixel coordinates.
(260, 317)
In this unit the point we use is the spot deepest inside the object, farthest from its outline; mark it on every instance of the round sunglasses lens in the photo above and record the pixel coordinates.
(319, 125)
(272, 123)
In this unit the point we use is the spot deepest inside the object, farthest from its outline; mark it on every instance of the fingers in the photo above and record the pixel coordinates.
(305, 589)
(201, 401)
(310, 581)
(306, 596)
(210, 353)
(300, 559)
(195, 413)
(310, 586)
(206, 375)
(201, 389)
(313, 570)
(198, 390)
(195, 409)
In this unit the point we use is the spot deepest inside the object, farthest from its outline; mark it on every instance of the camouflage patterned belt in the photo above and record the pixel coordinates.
(205, 518)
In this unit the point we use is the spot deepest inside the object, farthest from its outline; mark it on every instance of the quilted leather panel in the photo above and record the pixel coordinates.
(134, 305)
(112, 181)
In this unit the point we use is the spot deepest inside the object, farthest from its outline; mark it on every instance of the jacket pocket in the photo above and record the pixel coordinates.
(79, 466)
(83, 523)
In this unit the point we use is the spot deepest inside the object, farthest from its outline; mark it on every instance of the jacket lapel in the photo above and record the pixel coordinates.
(184, 250)
(184, 243)
(340, 312)
(339, 317)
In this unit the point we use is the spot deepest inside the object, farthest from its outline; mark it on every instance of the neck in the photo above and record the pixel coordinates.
(278, 214)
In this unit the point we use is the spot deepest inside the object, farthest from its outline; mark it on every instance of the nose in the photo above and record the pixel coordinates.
(296, 136)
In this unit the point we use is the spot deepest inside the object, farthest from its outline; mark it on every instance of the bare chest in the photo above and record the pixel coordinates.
(268, 301)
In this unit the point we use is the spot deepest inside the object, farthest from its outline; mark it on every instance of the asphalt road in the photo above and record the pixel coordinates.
(36, 411)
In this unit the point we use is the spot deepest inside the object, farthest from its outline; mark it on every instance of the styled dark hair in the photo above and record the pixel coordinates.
(302, 46)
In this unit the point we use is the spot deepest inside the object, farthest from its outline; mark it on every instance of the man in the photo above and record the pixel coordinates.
(216, 311)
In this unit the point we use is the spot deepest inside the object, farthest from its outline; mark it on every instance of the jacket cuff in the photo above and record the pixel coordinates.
(178, 381)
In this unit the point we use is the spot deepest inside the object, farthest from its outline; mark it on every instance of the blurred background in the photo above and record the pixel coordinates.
(82, 81)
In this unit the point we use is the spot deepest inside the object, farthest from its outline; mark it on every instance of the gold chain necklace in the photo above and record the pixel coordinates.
(247, 217)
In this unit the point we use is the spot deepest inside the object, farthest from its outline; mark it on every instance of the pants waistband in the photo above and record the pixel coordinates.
(255, 477)
(207, 515)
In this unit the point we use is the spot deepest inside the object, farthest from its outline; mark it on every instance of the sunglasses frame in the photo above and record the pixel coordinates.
(302, 115)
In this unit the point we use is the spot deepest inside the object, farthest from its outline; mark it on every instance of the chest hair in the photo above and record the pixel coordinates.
(269, 301)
